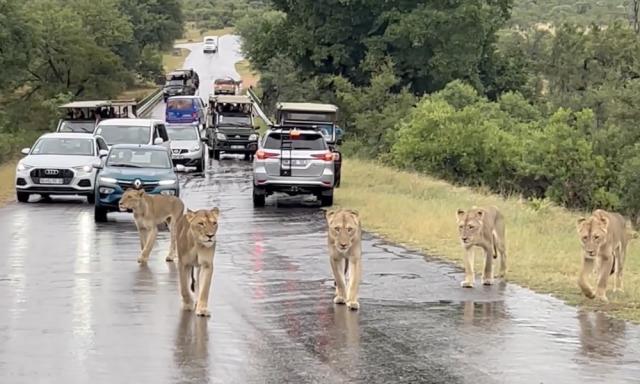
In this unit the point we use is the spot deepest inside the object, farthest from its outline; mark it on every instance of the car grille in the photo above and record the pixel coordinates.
(52, 173)
(179, 151)
(147, 185)
(233, 137)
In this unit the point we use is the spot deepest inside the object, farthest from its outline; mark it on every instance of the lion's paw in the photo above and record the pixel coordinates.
(602, 298)
(169, 258)
(187, 305)
(203, 312)
(466, 284)
(354, 305)
(487, 281)
(142, 260)
(339, 300)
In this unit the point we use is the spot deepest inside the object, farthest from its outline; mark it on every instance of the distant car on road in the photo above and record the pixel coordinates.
(187, 147)
(60, 164)
(210, 44)
(186, 110)
(226, 86)
(133, 131)
(127, 166)
(294, 162)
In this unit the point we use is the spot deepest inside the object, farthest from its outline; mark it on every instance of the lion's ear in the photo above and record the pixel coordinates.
(580, 221)
(215, 211)
(140, 192)
(329, 214)
(605, 222)
(460, 214)
(354, 212)
(189, 215)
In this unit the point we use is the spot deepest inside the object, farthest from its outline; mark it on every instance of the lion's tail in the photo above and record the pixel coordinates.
(193, 279)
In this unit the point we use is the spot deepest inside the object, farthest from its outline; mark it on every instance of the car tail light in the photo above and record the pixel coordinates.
(327, 156)
(194, 115)
(262, 155)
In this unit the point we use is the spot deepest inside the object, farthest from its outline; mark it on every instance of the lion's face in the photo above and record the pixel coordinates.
(344, 228)
(470, 226)
(204, 225)
(592, 233)
(131, 198)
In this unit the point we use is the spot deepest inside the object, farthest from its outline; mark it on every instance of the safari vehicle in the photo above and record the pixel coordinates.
(83, 116)
(230, 126)
(295, 161)
(127, 166)
(226, 86)
(321, 117)
(184, 82)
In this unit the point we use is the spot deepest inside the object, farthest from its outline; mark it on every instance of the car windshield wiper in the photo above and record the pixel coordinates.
(125, 165)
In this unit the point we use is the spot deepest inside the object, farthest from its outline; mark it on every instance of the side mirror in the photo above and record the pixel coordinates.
(25, 151)
(158, 141)
(97, 164)
(180, 168)
(103, 153)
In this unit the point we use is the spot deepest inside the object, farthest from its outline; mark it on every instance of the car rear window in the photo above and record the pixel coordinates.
(305, 141)
(180, 104)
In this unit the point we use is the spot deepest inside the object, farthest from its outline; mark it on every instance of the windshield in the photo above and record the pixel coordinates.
(308, 116)
(77, 126)
(180, 104)
(124, 134)
(234, 120)
(139, 158)
(209, 41)
(174, 83)
(184, 132)
(60, 146)
(305, 141)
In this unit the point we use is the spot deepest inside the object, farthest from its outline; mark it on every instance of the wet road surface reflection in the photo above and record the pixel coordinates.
(77, 308)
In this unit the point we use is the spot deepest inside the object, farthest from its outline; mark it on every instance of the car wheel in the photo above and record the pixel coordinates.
(216, 155)
(200, 166)
(100, 214)
(23, 197)
(91, 199)
(259, 198)
(247, 156)
(326, 200)
(210, 152)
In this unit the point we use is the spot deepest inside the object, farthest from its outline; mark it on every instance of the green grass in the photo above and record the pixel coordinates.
(7, 182)
(194, 35)
(247, 74)
(542, 244)
(175, 59)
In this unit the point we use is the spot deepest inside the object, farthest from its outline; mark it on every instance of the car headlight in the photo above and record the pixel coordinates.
(83, 169)
(253, 137)
(106, 191)
(167, 182)
(108, 180)
(23, 167)
(195, 149)
(221, 136)
(168, 192)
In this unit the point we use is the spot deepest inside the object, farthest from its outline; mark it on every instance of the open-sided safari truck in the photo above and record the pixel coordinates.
(226, 86)
(321, 117)
(83, 116)
(230, 126)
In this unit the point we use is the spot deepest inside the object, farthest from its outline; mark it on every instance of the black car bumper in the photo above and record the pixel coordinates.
(236, 146)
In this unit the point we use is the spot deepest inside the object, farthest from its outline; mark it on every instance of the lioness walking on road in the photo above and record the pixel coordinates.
(482, 228)
(345, 254)
(196, 239)
(604, 237)
(149, 211)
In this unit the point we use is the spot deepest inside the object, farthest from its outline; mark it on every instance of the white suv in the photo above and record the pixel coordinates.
(133, 131)
(60, 164)
(210, 44)
(294, 162)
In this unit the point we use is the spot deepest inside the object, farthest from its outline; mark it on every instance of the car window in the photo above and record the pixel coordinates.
(183, 133)
(180, 104)
(304, 141)
(101, 144)
(124, 134)
(64, 146)
(77, 126)
(174, 83)
(162, 131)
(138, 158)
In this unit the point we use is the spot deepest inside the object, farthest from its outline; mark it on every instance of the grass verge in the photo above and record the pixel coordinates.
(250, 78)
(193, 35)
(138, 92)
(542, 244)
(7, 182)
(175, 59)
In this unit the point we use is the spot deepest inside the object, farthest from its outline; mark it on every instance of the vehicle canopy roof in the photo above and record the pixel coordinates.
(308, 107)
(139, 146)
(230, 99)
(67, 135)
(128, 122)
(86, 104)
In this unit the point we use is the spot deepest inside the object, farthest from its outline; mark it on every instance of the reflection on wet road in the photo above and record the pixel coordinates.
(77, 308)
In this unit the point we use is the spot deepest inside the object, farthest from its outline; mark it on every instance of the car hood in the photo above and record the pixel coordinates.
(58, 161)
(144, 174)
(184, 144)
(228, 130)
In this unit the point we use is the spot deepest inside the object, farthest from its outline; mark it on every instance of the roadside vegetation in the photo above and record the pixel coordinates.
(214, 15)
(527, 13)
(542, 117)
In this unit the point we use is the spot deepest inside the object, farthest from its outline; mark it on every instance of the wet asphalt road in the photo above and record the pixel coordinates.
(76, 307)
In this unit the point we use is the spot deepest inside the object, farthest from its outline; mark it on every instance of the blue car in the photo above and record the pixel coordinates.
(186, 110)
(138, 166)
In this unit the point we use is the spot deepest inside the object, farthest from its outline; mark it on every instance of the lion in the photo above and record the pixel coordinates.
(345, 245)
(149, 211)
(196, 240)
(604, 237)
(483, 228)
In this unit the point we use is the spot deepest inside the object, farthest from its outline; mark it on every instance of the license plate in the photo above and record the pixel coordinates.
(237, 147)
(295, 162)
(178, 156)
(51, 181)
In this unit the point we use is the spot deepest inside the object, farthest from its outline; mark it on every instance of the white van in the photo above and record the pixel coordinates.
(210, 44)
(133, 131)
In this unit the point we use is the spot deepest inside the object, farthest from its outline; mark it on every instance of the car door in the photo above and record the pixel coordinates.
(162, 133)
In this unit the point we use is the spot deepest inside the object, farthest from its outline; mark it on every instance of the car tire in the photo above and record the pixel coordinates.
(99, 214)
(259, 198)
(91, 199)
(216, 155)
(23, 197)
(247, 156)
(326, 200)
(200, 166)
